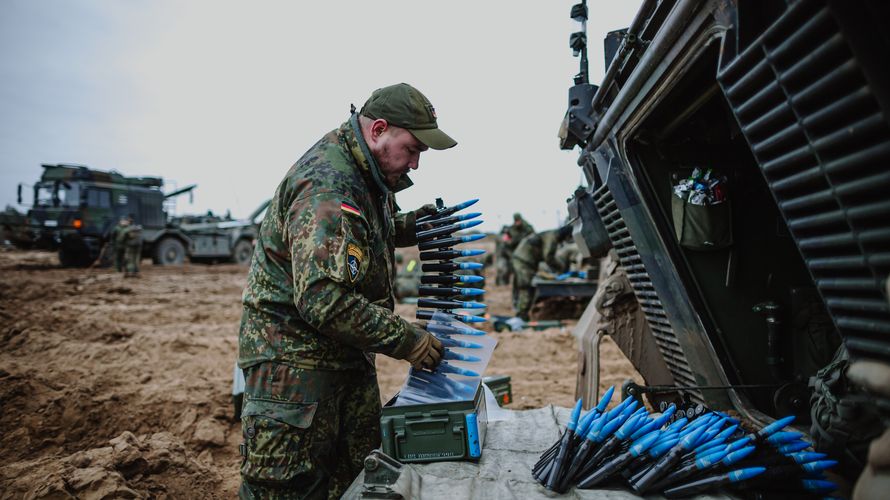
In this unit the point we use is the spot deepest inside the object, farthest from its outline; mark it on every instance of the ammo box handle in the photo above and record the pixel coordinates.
(433, 420)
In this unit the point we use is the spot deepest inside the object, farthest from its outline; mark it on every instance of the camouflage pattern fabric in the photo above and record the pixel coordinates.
(408, 280)
(133, 248)
(527, 256)
(318, 303)
(503, 254)
(319, 292)
(517, 231)
(117, 246)
(294, 422)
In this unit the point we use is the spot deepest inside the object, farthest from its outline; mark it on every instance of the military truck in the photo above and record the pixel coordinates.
(746, 299)
(224, 239)
(74, 208)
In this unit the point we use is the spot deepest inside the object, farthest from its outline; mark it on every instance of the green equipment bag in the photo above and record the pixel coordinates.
(702, 227)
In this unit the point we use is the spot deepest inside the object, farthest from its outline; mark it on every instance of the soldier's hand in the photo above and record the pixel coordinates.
(428, 209)
(427, 351)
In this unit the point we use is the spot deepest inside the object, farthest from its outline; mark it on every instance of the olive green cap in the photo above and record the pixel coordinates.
(404, 106)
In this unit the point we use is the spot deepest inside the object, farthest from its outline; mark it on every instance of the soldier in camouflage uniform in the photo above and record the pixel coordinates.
(517, 231)
(530, 252)
(118, 249)
(319, 301)
(407, 278)
(132, 241)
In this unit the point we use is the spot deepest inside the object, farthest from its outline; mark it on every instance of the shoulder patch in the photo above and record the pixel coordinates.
(354, 257)
(349, 209)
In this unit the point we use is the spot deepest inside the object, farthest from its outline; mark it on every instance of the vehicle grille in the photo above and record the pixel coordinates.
(645, 292)
(806, 108)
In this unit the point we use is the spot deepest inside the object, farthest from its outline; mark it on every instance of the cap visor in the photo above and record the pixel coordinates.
(434, 138)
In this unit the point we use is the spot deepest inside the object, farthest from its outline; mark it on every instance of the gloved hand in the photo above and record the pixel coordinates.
(428, 209)
(427, 351)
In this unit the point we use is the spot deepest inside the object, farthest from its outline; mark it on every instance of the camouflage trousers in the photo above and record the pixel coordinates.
(523, 293)
(119, 258)
(132, 257)
(306, 432)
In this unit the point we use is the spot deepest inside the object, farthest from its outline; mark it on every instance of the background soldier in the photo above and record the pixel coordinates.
(132, 236)
(517, 231)
(529, 254)
(116, 241)
(407, 278)
(503, 268)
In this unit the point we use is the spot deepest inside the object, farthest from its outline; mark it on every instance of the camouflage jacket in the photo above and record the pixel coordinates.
(517, 233)
(539, 247)
(319, 292)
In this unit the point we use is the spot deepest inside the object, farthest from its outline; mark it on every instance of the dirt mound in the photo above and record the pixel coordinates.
(129, 466)
(121, 388)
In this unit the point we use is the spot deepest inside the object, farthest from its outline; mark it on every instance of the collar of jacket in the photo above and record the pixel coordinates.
(352, 137)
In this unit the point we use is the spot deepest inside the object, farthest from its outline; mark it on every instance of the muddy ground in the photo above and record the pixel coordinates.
(121, 388)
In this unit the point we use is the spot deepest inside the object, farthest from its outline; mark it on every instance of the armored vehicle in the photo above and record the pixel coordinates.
(748, 290)
(75, 207)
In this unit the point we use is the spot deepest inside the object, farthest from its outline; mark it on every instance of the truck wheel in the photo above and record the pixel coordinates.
(169, 252)
(242, 252)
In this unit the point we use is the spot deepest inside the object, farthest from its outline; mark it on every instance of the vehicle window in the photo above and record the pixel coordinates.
(43, 195)
(99, 198)
(69, 194)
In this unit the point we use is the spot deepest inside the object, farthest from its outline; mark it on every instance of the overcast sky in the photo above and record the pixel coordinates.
(229, 94)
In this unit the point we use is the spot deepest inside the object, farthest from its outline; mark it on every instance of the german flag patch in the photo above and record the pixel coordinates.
(349, 209)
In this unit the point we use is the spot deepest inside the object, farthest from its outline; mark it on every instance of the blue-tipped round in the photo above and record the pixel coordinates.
(663, 447)
(628, 427)
(776, 426)
(678, 424)
(467, 238)
(737, 455)
(725, 433)
(688, 441)
(466, 318)
(449, 342)
(468, 216)
(465, 204)
(609, 428)
(470, 265)
(470, 278)
(784, 437)
(449, 354)
(746, 473)
(445, 367)
(595, 428)
(807, 456)
(793, 447)
(710, 459)
(818, 485)
(700, 422)
(644, 443)
(604, 401)
(738, 444)
(471, 304)
(468, 224)
(576, 413)
(585, 422)
(818, 465)
(471, 291)
(471, 252)
(644, 426)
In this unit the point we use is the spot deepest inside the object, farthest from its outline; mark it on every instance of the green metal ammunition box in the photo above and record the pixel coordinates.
(501, 388)
(435, 432)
